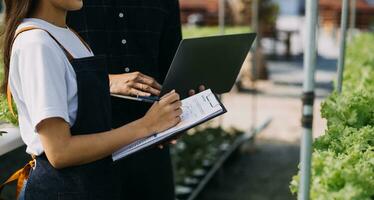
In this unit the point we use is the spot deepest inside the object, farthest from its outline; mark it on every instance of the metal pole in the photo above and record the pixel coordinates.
(308, 98)
(343, 36)
(221, 16)
(254, 22)
(353, 17)
(255, 27)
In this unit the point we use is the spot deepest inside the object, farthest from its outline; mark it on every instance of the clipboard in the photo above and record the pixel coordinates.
(196, 111)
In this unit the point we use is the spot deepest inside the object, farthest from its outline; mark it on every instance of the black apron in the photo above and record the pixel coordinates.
(93, 181)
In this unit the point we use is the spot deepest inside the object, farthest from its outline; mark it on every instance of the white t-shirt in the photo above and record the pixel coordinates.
(42, 80)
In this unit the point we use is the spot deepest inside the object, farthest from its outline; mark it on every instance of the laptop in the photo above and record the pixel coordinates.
(214, 62)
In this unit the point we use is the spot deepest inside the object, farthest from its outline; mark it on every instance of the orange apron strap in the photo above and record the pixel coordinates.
(28, 28)
(9, 99)
(20, 176)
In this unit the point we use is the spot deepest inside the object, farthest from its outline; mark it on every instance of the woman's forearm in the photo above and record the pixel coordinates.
(64, 150)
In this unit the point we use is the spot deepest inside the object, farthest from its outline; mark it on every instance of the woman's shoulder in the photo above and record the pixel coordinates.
(32, 38)
(36, 44)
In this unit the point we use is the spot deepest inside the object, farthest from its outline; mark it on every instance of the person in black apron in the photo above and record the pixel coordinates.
(137, 36)
(94, 180)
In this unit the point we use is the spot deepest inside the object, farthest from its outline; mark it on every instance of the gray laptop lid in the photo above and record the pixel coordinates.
(211, 61)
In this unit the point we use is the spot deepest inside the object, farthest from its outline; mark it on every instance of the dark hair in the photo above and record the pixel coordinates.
(15, 12)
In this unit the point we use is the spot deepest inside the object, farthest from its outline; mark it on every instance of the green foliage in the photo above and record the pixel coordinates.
(359, 68)
(343, 176)
(352, 109)
(5, 114)
(343, 158)
(192, 31)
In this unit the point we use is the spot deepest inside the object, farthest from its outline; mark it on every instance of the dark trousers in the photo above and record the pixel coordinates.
(146, 175)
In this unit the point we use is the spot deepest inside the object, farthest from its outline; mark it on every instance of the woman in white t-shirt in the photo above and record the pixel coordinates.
(62, 94)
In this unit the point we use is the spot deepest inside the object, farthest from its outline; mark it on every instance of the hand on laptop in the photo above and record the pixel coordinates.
(134, 84)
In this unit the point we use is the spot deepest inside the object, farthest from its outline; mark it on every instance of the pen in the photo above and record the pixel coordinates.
(150, 99)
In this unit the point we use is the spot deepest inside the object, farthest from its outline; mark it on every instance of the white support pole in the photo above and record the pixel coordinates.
(308, 98)
(221, 16)
(343, 37)
(353, 18)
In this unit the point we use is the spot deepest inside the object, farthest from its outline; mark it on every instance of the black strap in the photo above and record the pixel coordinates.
(308, 98)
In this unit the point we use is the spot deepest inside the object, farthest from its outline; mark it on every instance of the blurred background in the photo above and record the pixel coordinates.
(252, 151)
(267, 94)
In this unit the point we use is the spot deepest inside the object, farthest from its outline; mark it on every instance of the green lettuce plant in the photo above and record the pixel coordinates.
(343, 158)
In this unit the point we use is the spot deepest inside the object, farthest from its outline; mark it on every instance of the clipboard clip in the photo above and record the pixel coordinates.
(212, 99)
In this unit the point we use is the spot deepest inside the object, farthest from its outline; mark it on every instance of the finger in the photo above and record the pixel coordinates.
(172, 98)
(150, 81)
(176, 105)
(191, 92)
(135, 76)
(177, 120)
(146, 88)
(135, 92)
(178, 112)
(154, 89)
(201, 88)
(168, 94)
